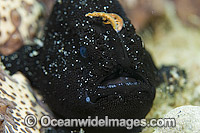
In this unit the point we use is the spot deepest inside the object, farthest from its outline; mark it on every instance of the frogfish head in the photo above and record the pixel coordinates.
(95, 63)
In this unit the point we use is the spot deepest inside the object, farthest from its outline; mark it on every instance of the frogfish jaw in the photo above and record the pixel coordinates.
(123, 96)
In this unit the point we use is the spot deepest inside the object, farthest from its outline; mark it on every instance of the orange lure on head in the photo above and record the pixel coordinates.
(115, 20)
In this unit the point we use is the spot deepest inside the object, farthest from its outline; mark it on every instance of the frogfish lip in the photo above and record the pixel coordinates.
(115, 86)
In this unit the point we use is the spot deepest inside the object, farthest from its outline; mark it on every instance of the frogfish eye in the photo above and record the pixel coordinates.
(83, 52)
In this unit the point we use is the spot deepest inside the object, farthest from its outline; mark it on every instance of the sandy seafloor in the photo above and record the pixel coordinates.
(179, 45)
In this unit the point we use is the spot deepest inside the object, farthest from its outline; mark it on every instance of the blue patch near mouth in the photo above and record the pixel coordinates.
(110, 86)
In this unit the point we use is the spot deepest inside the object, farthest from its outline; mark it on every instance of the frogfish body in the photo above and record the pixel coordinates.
(92, 63)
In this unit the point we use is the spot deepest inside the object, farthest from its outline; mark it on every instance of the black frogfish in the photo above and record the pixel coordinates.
(92, 63)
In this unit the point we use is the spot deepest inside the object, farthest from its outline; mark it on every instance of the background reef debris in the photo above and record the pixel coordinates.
(174, 42)
(17, 100)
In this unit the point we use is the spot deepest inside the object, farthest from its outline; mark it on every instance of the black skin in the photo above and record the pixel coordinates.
(82, 53)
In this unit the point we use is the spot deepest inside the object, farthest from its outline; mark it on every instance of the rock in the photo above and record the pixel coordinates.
(141, 12)
(19, 22)
(144, 13)
(188, 12)
(187, 120)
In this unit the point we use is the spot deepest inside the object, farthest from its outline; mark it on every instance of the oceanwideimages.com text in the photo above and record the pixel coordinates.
(47, 121)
